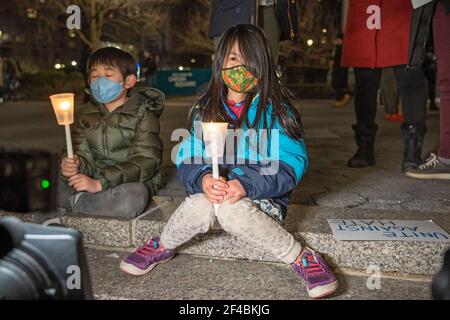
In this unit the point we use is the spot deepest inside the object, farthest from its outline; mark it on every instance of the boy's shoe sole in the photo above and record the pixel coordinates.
(54, 222)
(323, 291)
(135, 271)
(440, 176)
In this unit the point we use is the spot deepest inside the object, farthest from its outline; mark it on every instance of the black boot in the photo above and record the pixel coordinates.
(413, 136)
(365, 139)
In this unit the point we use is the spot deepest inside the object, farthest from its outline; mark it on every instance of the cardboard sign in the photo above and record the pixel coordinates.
(391, 230)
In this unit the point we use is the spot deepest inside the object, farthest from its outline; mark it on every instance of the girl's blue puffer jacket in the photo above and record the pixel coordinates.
(268, 173)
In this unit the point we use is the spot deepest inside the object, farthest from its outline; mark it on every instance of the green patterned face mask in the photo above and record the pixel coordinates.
(239, 79)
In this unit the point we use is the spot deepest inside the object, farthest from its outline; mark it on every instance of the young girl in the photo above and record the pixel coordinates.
(245, 92)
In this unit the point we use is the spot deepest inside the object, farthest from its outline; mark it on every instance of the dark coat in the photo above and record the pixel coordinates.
(421, 31)
(229, 13)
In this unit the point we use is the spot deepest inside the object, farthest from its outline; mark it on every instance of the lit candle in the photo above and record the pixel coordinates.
(63, 106)
(214, 134)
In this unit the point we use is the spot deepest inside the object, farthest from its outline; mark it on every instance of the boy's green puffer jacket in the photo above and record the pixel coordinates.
(123, 145)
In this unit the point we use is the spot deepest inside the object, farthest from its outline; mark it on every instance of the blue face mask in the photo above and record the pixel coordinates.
(105, 90)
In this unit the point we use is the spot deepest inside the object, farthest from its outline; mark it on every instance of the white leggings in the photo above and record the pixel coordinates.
(242, 219)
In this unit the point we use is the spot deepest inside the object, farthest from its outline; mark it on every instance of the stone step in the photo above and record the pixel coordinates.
(307, 223)
(209, 278)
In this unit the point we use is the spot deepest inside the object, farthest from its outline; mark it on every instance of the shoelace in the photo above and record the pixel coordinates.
(310, 264)
(432, 161)
(149, 248)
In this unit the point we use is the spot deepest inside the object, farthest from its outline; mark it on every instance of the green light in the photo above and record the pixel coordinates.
(45, 184)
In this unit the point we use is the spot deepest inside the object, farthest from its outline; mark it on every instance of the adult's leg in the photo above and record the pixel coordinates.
(194, 215)
(127, 200)
(441, 26)
(367, 84)
(430, 75)
(271, 28)
(438, 167)
(339, 95)
(389, 91)
(245, 220)
(412, 87)
(340, 81)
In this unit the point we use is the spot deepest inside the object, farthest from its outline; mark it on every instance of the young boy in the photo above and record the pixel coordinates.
(117, 149)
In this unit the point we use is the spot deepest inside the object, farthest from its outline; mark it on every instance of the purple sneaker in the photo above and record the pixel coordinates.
(146, 257)
(320, 280)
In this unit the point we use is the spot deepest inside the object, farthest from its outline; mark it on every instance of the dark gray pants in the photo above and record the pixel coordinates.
(412, 91)
(268, 21)
(389, 91)
(127, 200)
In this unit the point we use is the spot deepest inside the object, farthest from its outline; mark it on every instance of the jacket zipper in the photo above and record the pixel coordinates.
(292, 34)
(105, 145)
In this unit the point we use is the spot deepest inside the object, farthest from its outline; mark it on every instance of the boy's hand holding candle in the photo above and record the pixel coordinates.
(69, 166)
(81, 182)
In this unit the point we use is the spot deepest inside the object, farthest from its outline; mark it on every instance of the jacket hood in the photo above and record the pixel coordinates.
(139, 97)
(146, 97)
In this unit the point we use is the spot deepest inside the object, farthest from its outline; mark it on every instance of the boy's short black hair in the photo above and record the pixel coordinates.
(113, 57)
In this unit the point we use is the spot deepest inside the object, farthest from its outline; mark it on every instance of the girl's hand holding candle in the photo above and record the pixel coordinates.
(214, 134)
(214, 189)
(235, 191)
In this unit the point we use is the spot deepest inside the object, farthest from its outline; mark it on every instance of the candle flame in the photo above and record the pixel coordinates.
(65, 105)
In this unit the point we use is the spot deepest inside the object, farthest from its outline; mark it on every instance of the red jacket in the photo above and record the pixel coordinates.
(377, 48)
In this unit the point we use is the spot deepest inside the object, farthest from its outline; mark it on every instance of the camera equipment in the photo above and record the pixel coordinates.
(441, 282)
(40, 262)
(28, 180)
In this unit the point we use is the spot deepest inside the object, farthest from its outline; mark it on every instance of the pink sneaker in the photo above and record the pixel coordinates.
(320, 280)
(146, 257)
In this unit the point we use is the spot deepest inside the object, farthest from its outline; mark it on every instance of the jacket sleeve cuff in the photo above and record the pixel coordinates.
(104, 183)
(199, 180)
(62, 177)
(244, 180)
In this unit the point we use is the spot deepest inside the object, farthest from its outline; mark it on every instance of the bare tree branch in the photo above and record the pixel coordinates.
(194, 38)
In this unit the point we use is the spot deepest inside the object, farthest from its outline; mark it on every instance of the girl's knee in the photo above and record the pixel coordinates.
(197, 202)
(196, 211)
(231, 215)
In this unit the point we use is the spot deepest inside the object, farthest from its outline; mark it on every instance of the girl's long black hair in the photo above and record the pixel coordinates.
(255, 51)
